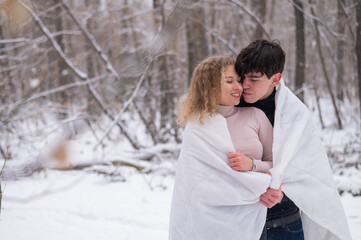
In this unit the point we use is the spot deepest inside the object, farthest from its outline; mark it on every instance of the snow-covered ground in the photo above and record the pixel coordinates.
(79, 205)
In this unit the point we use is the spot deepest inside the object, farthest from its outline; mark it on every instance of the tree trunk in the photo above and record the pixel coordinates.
(1, 196)
(4, 74)
(64, 96)
(167, 104)
(358, 48)
(196, 39)
(213, 21)
(90, 68)
(271, 17)
(319, 106)
(323, 65)
(259, 7)
(300, 48)
(340, 43)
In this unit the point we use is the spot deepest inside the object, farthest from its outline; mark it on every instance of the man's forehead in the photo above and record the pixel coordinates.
(254, 74)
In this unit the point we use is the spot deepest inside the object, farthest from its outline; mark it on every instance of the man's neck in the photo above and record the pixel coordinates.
(267, 105)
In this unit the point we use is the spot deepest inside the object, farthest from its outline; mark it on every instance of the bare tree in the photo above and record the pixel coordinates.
(358, 48)
(115, 63)
(166, 94)
(340, 45)
(323, 65)
(196, 38)
(60, 68)
(3, 63)
(259, 8)
(1, 191)
(300, 48)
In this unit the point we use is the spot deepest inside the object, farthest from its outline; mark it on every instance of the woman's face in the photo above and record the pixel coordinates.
(231, 87)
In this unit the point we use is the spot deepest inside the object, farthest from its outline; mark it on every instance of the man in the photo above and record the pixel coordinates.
(260, 65)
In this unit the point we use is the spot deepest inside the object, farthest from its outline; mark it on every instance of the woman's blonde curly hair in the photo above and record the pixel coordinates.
(203, 94)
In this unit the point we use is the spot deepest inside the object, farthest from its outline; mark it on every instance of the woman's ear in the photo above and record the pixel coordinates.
(276, 79)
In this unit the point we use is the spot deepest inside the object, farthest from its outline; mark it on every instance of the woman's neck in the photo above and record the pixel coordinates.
(226, 111)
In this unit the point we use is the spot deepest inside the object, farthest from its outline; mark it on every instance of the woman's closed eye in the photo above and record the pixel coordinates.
(229, 79)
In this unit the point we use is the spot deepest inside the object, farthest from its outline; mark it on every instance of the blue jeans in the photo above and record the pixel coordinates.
(292, 231)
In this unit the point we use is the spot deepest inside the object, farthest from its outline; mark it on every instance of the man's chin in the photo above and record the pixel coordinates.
(249, 100)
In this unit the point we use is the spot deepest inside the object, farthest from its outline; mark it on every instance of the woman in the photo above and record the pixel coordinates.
(211, 200)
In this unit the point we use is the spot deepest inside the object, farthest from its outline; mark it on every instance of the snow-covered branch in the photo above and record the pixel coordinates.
(92, 41)
(55, 44)
(314, 18)
(252, 15)
(221, 39)
(125, 106)
(55, 90)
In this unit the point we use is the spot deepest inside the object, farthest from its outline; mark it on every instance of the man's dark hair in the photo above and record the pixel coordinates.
(261, 56)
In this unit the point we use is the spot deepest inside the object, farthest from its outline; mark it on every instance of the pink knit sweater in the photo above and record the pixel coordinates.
(251, 133)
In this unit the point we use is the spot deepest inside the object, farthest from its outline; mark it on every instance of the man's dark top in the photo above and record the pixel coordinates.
(268, 106)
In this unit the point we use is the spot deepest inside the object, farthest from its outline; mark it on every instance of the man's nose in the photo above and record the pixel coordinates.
(245, 83)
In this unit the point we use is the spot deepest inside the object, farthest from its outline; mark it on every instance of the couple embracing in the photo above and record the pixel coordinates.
(251, 167)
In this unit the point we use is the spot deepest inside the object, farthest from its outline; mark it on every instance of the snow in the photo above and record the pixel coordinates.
(86, 205)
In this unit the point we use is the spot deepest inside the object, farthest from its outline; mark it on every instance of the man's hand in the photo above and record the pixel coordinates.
(271, 197)
(239, 162)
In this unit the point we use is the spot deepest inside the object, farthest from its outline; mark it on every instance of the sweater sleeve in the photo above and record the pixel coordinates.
(265, 134)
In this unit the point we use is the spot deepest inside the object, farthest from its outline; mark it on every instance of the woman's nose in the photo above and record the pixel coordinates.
(238, 85)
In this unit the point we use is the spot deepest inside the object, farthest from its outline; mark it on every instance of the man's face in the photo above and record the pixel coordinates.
(257, 86)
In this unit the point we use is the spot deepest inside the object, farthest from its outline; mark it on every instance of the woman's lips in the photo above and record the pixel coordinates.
(236, 95)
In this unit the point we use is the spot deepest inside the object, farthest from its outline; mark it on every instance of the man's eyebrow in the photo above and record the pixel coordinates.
(254, 76)
(229, 76)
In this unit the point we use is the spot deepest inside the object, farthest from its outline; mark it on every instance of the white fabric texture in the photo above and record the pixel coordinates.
(301, 164)
(212, 201)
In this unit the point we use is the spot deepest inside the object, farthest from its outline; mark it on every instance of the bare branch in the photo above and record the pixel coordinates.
(349, 25)
(79, 73)
(93, 42)
(328, 81)
(252, 15)
(316, 19)
(126, 104)
(46, 192)
(55, 90)
(218, 37)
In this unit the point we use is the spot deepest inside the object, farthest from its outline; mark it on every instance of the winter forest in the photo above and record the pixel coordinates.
(88, 100)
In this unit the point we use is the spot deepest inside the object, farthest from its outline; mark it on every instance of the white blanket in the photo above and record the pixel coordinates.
(212, 201)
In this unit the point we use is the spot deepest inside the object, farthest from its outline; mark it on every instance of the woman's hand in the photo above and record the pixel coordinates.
(239, 162)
